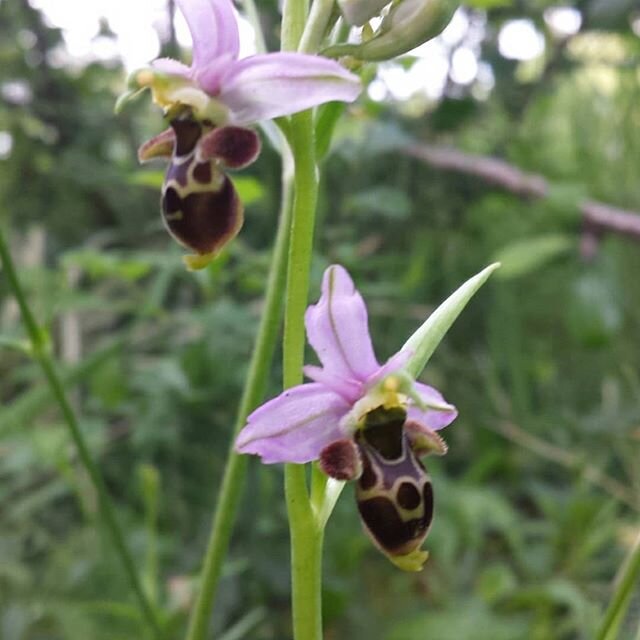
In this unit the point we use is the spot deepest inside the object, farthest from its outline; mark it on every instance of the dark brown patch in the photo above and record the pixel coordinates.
(171, 201)
(368, 478)
(209, 219)
(385, 439)
(408, 495)
(236, 147)
(202, 173)
(383, 522)
(383, 431)
(187, 135)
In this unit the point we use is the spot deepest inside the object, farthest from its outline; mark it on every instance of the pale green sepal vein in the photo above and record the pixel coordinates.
(424, 341)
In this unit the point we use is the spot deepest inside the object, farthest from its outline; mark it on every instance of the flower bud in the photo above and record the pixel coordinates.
(357, 12)
(408, 24)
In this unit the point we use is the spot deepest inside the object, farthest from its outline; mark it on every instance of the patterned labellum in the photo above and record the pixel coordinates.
(200, 206)
(394, 492)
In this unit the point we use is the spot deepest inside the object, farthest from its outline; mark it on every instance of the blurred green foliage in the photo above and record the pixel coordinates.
(538, 499)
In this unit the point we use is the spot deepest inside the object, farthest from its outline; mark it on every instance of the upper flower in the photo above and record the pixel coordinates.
(298, 424)
(222, 89)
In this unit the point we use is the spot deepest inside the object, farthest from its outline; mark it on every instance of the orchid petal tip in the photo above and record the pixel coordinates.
(197, 262)
(413, 561)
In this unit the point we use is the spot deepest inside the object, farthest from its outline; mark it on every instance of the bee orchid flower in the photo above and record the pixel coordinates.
(221, 88)
(209, 104)
(361, 420)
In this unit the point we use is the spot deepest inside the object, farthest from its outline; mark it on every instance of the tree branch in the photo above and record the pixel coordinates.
(599, 217)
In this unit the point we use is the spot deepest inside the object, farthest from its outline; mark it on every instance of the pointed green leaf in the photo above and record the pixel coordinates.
(425, 340)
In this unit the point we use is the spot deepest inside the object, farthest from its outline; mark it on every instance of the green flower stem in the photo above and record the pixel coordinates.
(234, 474)
(254, 19)
(300, 244)
(294, 18)
(622, 595)
(306, 535)
(317, 25)
(40, 351)
(306, 558)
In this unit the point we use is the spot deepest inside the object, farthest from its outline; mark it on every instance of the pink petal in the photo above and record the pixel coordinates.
(431, 418)
(338, 330)
(393, 364)
(277, 84)
(214, 29)
(350, 390)
(209, 76)
(294, 427)
(171, 67)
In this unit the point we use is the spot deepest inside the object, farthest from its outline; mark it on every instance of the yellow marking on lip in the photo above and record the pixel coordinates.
(198, 261)
(413, 561)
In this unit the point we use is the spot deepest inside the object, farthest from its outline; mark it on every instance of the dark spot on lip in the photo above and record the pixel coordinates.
(408, 496)
(209, 220)
(392, 533)
(171, 201)
(385, 438)
(187, 135)
(202, 173)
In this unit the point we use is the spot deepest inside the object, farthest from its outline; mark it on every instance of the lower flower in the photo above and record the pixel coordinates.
(361, 421)
(394, 493)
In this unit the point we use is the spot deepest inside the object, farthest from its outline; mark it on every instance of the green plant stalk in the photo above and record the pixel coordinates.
(306, 535)
(254, 19)
(317, 25)
(40, 351)
(235, 471)
(622, 595)
(27, 406)
(294, 18)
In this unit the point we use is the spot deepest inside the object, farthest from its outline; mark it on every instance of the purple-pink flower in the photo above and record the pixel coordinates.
(363, 421)
(208, 105)
(298, 424)
(223, 89)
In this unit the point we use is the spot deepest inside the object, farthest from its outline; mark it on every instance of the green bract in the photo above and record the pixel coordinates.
(408, 24)
(424, 341)
(357, 12)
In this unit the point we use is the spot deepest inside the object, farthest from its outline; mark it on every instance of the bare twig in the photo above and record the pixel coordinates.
(492, 170)
(599, 217)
